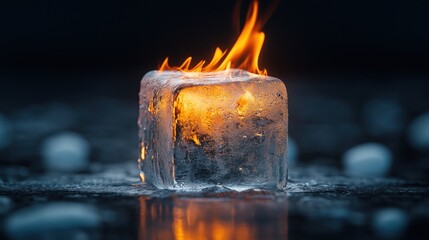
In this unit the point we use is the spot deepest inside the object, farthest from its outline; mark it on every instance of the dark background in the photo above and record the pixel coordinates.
(336, 57)
(301, 36)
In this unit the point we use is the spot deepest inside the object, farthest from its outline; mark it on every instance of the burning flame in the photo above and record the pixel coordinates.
(243, 55)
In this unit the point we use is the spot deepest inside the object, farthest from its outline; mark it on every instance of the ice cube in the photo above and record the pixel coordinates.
(367, 160)
(204, 129)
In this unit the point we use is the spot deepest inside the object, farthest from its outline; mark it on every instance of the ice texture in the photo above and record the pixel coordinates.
(220, 128)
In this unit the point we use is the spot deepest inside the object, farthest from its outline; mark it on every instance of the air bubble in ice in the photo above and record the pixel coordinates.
(390, 222)
(65, 152)
(367, 160)
(418, 132)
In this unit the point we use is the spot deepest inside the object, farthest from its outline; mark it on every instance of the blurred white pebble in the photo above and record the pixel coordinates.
(418, 132)
(390, 222)
(367, 160)
(5, 132)
(46, 219)
(292, 152)
(65, 152)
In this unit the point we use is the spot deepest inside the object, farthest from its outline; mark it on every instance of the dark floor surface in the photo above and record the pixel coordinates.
(319, 204)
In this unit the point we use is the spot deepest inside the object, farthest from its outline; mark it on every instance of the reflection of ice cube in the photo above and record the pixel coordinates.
(418, 132)
(65, 152)
(369, 160)
(202, 129)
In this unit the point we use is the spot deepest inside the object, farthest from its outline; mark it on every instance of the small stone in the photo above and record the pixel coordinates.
(44, 220)
(390, 222)
(367, 160)
(66, 152)
(418, 132)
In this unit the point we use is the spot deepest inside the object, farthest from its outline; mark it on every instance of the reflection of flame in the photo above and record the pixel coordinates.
(243, 55)
(211, 219)
(195, 219)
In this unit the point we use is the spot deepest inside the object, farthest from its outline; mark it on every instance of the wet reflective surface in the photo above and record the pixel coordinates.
(319, 203)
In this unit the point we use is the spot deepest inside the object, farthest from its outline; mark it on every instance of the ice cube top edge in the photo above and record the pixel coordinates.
(204, 78)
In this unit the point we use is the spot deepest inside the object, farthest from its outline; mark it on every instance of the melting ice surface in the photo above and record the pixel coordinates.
(226, 128)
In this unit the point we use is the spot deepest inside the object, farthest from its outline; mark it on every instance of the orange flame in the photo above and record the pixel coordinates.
(243, 55)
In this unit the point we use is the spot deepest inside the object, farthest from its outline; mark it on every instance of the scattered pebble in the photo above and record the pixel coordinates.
(66, 152)
(390, 222)
(367, 160)
(418, 132)
(384, 117)
(46, 219)
(293, 152)
(5, 130)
